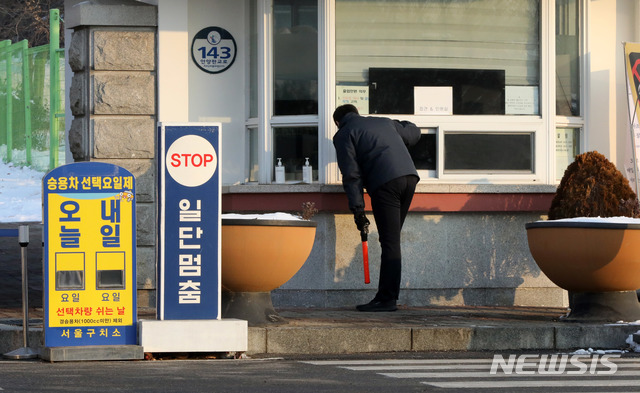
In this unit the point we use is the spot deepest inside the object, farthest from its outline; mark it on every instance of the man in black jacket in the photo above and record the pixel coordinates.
(372, 153)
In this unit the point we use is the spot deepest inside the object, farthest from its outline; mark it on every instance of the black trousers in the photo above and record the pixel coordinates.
(390, 203)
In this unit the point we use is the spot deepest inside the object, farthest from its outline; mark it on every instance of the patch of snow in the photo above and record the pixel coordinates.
(635, 347)
(609, 220)
(20, 194)
(592, 351)
(268, 216)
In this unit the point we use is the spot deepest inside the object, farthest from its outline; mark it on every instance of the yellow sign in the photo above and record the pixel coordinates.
(90, 272)
(91, 280)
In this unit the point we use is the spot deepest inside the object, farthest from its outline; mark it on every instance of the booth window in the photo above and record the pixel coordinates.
(292, 145)
(569, 120)
(295, 57)
(567, 58)
(488, 152)
(488, 51)
(285, 72)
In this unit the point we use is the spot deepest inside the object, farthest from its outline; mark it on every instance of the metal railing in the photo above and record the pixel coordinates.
(30, 119)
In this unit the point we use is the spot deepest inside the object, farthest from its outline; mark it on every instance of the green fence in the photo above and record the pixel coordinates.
(32, 101)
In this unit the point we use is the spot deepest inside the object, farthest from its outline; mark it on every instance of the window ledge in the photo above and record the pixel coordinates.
(421, 189)
(434, 198)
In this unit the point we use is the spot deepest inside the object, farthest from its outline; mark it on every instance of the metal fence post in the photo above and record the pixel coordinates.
(3, 109)
(26, 96)
(25, 352)
(54, 85)
(9, 105)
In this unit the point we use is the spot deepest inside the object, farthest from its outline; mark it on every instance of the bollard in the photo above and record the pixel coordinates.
(25, 352)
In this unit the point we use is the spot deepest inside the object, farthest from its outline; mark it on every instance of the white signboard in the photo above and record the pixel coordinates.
(433, 100)
(354, 95)
(521, 100)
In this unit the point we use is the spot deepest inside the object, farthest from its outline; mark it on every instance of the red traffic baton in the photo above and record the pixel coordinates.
(365, 254)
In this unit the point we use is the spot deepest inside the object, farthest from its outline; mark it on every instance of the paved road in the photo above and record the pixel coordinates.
(371, 373)
(11, 270)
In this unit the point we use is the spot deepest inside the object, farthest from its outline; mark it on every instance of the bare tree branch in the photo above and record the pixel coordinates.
(28, 19)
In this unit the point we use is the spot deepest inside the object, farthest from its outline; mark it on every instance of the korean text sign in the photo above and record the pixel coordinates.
(189, 221)
(90, 260)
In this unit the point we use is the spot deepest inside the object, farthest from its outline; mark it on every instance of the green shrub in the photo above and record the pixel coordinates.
(592, 186)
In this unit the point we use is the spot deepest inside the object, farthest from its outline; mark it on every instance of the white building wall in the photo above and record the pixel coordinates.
(609, 23)
(221, 97)
(188, 94)
(173, 74)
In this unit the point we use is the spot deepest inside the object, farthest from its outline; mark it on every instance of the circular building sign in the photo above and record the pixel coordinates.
(213, 50)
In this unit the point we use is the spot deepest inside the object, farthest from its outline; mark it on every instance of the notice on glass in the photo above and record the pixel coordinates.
(564, 151)
(521, 100)
(433, 100)
(354, 95)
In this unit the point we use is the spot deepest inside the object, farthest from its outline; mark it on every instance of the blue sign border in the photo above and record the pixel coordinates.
(170, 193)
(128, 334)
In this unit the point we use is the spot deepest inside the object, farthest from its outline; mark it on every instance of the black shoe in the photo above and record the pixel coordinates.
(378, 305)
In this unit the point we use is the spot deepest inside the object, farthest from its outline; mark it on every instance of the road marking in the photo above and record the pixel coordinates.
(397, 361)
(485, 367)
(486, 374)
(482, 367)
(534, 384)
(475, 374)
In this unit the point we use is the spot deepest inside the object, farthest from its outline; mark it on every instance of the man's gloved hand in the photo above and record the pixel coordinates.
(361, 220)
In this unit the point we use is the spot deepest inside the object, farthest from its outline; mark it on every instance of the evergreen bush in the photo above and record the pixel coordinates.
(592, 186)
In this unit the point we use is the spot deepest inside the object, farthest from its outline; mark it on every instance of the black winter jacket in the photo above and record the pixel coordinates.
(372, 151)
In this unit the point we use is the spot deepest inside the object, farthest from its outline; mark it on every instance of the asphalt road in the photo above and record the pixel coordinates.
(417, 372)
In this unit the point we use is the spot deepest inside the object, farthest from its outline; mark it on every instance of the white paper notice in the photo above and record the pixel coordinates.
(564, 151)
(433, 100)
(354, 95)
(521, 100)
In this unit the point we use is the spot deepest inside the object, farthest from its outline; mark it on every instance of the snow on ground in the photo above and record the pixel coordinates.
(20, 194)
(269, 216)
(611, 220)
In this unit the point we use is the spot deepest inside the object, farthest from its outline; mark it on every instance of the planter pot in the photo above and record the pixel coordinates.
(259, 256)
(597, 262)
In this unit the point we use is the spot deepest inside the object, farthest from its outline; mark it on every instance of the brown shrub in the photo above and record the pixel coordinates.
(592, 186)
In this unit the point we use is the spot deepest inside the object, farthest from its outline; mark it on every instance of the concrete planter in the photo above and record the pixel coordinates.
(258, 256)
(598, 262)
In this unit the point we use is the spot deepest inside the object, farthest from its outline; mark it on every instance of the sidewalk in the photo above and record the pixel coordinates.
(346, 331)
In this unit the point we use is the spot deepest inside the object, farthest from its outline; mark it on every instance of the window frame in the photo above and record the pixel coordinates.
(266, 121)
(543, 125)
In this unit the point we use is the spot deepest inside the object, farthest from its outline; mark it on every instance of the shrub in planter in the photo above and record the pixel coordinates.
(592, 186)
(595, 260)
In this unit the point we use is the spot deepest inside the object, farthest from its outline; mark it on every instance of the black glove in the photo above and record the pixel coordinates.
(361, 221)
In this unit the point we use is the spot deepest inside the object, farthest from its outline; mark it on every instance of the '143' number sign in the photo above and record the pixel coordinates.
(213, 50)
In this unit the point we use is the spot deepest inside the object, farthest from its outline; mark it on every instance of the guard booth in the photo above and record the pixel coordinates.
(90, 263)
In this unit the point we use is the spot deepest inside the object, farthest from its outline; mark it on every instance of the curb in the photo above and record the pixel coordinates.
(351, 340)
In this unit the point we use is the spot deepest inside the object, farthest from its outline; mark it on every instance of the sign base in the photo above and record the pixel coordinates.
(193, 335)
(92, 352)
(22, 353)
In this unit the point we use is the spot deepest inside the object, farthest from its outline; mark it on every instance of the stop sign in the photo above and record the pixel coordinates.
(191, 160)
